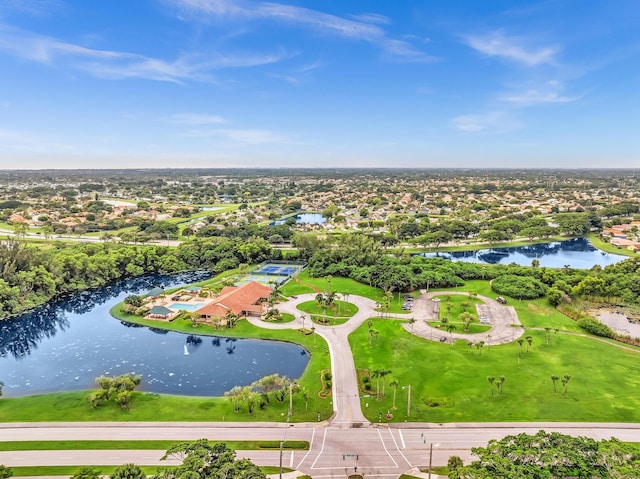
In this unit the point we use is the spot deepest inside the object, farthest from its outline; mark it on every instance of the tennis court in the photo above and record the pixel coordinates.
(285, 269)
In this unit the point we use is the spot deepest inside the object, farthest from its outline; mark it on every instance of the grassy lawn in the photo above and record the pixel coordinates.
(608, 247)
(73, 406)
(103, 470)
(449, 384)
(146, 445)
(71, 470)
(306, 283)
(340, 309)
(473, 327)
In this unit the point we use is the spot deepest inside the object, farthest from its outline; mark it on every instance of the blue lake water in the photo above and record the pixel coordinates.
(306, 219)
(66, 344)
(577, 253)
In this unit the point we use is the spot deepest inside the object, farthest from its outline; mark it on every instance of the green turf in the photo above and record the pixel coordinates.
(73, 406)
(449, 384)
(159, 445)
(473, 328)
(340, 309)
(307, 284)
(71, 470)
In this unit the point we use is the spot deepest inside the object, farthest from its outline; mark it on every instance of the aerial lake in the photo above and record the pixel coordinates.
(577, 253)
(66, 344)
(304, 219)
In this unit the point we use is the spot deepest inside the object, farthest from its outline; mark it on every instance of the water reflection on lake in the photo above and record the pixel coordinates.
(577, 253)
(66, 344)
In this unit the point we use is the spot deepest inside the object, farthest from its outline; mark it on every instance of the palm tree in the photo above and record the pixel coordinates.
(529, 341)
(547, 330)
(565, 380)
(412, 321)
(491, 379)
(313, 333)
(500, 383)
(450, 329)
(376, 374)
(520, 342)
(479, 345)
(554, 378)
(383, 373)
(303, 317)
(394, 384)
(467, 318)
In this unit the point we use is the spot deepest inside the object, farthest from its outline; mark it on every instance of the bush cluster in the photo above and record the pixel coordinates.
(520, 287)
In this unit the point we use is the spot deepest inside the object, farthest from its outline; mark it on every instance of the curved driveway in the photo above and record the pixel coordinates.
(338, 447)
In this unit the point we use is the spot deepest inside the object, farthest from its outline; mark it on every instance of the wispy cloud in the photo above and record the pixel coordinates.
(34, 8)
(497, 44)
(491, 122)
(549, 93)
(240, 135)
(195, 119)
(359, 29)
(372, 18)
(121, 65)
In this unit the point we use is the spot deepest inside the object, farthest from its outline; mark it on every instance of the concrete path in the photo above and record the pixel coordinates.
(505, 325)
(346, 397)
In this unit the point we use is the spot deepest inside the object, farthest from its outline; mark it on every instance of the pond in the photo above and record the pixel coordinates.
(66, 344)
(304, 219)
(577, 253)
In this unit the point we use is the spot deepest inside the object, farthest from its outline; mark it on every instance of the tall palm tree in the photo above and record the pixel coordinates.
(376, 374)
(412, 321)
(554, 378)
(500, 382)
(394, 384)
(479, 345)
(491, 379)
(450, 329)
(383, 373)
(565, 380)
(520, 342)
(529, 341)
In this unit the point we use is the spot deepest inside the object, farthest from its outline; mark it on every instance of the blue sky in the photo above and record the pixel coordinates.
(319, 83)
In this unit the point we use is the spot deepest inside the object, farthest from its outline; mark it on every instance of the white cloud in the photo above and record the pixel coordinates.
(195, 119)
(316, 20)
(491, 122)
(239, 135)
(532, 97)
(372, 18)
(496, 44)
(120, 65)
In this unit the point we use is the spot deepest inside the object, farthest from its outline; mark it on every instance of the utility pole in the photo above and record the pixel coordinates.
(281, 446)
(430, 460)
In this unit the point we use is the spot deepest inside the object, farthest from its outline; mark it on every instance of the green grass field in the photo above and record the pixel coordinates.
(73, 406)
(449, 384)
(340, 309)
(159, 445)
(305, 284)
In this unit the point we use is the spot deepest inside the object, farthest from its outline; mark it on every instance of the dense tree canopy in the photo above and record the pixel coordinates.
(552, 456)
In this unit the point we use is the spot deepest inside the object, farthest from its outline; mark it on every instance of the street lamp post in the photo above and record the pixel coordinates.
(431, 456)
(408, 388)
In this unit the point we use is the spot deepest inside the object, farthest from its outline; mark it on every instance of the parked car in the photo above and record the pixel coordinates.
(501, 300)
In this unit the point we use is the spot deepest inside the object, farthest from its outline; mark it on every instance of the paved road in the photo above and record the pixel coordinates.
(377, 451)
(505, 325)
(346, 442)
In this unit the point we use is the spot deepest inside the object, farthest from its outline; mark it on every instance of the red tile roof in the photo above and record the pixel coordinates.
(237, 299)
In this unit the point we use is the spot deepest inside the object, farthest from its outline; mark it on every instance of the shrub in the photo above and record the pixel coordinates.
(596, 327)
(521, 287)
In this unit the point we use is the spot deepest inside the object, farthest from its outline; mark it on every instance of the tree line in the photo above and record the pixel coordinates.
(31, 276)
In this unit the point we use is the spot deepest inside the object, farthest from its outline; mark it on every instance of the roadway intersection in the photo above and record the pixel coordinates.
(340, 446)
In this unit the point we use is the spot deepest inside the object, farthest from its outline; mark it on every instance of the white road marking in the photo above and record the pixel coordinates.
(313, 435)
(396, 444)
(313, 466)
(404, 446)
(386, 450)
